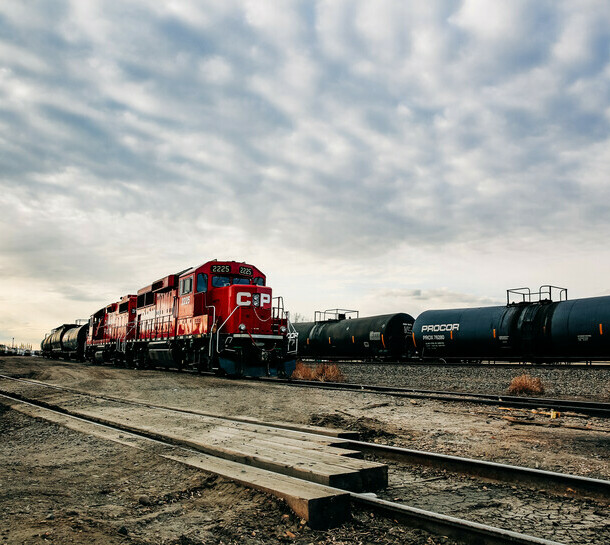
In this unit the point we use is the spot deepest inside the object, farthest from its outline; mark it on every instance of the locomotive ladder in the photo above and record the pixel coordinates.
(121, 342)
(292, 336)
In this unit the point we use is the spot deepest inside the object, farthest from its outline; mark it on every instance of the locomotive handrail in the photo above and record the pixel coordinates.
(210, 344)
(292, 335)
(223, 324)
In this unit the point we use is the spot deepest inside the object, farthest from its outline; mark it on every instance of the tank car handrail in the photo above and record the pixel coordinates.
(529, 296)
(547, 288)
(523, 292)
(321, 316)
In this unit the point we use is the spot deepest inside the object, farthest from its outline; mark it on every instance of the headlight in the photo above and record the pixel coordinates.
(242, 327)
(283, 329)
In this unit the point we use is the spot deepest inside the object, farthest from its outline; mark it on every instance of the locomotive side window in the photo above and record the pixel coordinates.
(202, 283)
(123, 307)
(258, 281)
(186, 285)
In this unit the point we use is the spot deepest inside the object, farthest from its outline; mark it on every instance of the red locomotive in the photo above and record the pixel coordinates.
(219, 317)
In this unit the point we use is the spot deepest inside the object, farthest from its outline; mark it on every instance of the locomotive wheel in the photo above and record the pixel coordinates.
(141, 361)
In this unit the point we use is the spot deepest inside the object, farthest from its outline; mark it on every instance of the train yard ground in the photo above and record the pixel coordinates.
(59, 485)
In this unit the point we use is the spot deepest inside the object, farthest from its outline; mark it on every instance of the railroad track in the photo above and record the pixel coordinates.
(590, 408)
(435, 522)
(507, 365)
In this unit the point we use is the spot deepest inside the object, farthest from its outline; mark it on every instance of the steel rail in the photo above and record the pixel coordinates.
(471, 532)
(437, 523)
(590, 408)
(432, 363)
(562, 483)
(548, 480)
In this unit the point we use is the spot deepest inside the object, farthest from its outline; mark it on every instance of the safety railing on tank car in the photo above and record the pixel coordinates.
(335, 314)
(544, 294)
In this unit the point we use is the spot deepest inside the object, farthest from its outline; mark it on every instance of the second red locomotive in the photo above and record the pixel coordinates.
(220, 316)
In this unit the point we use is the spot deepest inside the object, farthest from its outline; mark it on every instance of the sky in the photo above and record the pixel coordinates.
(383, 156)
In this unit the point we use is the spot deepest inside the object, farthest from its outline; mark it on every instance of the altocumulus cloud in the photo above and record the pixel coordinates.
(343, 129)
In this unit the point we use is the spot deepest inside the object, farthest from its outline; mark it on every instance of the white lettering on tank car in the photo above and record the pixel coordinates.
(433, 328)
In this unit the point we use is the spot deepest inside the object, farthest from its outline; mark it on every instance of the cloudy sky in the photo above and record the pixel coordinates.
(375, 155)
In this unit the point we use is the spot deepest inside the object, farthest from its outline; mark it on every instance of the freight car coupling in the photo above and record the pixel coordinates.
(220, 316)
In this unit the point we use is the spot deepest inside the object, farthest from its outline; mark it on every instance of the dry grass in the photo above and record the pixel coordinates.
(525, 384)
(324, 372)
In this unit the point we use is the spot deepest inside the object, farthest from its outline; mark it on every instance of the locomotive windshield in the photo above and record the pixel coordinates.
(221, 281)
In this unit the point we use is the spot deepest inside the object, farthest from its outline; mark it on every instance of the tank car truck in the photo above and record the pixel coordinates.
(220, 316)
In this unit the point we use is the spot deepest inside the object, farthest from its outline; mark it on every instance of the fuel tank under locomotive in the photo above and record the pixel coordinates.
(386, 336)
(577, 330)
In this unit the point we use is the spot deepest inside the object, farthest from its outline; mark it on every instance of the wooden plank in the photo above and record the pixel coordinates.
(294, 434)
(372, 475)
(297, 443)
(320, 506)
(341, 472)
(302, 467)
(317, 430)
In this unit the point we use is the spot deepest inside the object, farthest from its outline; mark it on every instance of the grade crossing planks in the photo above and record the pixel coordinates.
(291, 452)
(328, 469)
(320, 506)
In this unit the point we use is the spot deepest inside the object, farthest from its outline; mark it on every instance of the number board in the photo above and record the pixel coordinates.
(246, 271)
(221, 268)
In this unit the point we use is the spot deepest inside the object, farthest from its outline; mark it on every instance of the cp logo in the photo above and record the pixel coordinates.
(245, 299)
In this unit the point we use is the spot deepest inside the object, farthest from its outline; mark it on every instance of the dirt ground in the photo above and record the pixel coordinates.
(60, 486)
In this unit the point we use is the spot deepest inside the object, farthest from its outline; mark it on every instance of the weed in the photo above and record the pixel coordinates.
(324, 372)
(525, 384)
